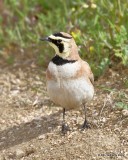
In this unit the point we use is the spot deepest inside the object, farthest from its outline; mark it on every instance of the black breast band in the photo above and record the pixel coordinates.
(60, 61)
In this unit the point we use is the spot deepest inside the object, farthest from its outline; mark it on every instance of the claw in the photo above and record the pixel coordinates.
(65, 128)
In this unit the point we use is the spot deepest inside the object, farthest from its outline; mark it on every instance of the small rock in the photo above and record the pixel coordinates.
(103, 119)
(125, 112)
(71, 135)
(41, 137)
(20, 153)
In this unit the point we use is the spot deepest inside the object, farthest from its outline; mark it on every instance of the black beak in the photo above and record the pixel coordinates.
(45, 39)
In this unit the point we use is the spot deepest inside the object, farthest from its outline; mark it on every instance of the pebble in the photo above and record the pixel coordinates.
(125, 112)
(41, 137)
(19, 153)
(103, 119)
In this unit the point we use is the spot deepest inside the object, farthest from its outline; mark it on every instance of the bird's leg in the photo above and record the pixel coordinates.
(63, 122)
(85, 124)
(64, 127)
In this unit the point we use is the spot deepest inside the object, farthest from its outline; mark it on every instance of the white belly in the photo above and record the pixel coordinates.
(70, 93)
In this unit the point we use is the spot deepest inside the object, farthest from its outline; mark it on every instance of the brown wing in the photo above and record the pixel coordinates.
(88, 71)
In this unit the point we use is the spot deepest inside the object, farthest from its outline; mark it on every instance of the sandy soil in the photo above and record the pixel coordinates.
(30, 124)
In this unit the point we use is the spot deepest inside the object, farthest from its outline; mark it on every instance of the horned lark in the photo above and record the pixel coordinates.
(69, 78)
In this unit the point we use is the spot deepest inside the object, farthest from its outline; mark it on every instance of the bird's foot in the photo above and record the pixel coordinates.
(65, 129)
(86, 125)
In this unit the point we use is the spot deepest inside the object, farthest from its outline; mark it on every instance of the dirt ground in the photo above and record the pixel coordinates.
(30, 124)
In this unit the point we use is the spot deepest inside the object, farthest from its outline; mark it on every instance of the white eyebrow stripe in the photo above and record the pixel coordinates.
(54, 37)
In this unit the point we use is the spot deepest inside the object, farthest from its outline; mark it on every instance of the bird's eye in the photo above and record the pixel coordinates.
(59, 41)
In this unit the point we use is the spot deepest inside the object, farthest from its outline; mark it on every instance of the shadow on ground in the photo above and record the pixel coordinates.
(27, 131)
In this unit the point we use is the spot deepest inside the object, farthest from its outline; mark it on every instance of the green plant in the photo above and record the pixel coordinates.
(122, 105)
(100, 31)
(121, 45)
(122, 100)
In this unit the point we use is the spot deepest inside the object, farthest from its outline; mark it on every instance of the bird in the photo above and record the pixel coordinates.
(70, 81)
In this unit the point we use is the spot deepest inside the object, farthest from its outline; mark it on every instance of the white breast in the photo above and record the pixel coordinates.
(71, 93)
(64, 71)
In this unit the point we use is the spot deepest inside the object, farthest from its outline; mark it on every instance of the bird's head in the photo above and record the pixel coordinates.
(63, 44)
